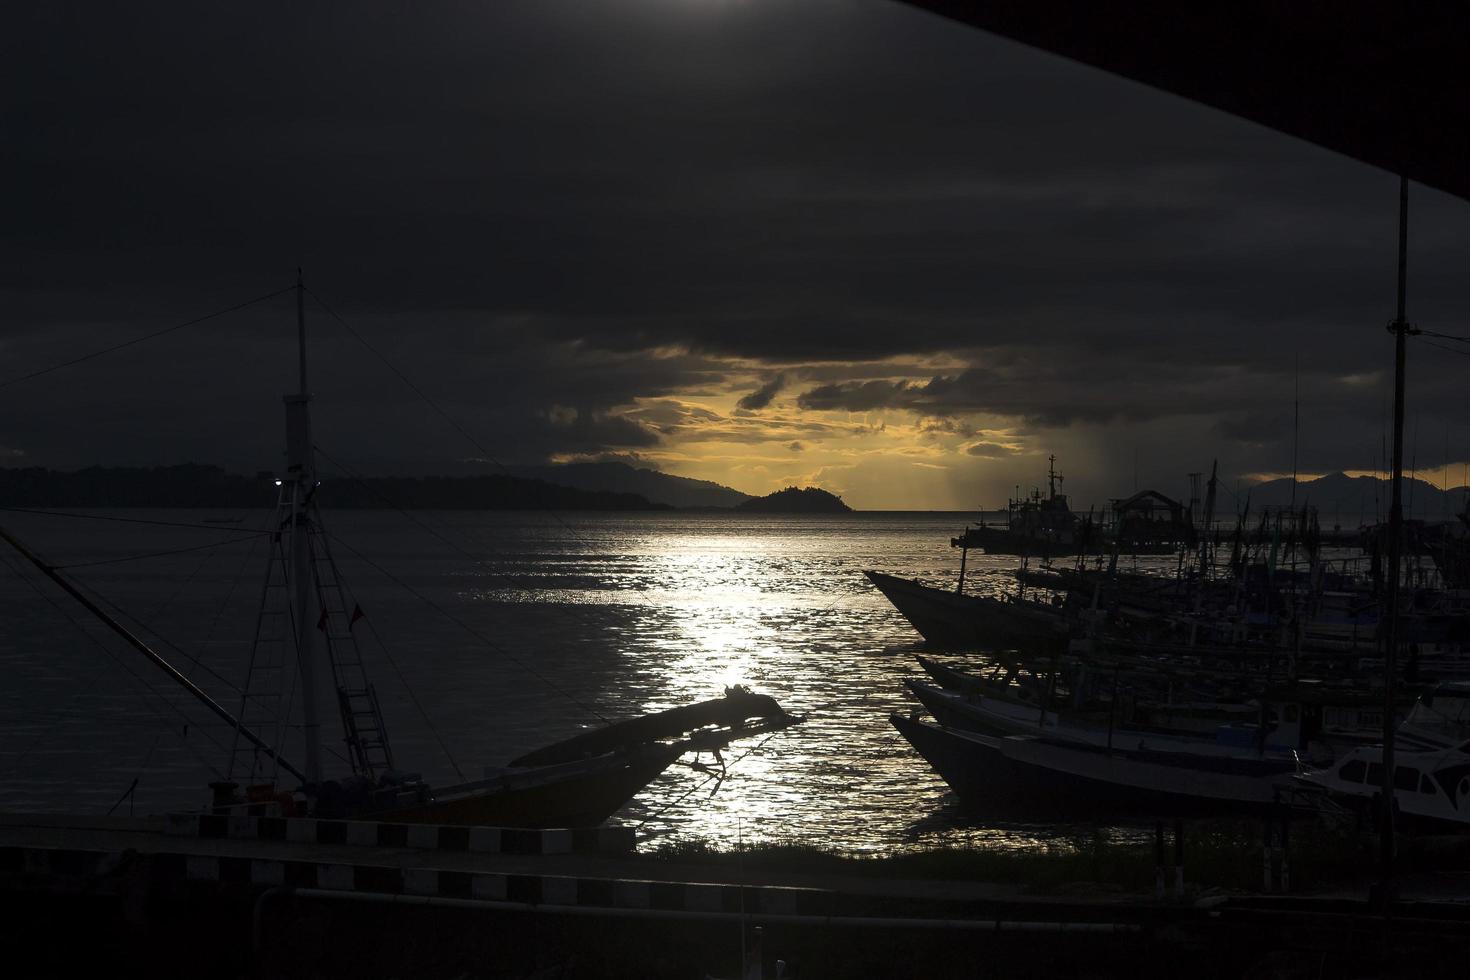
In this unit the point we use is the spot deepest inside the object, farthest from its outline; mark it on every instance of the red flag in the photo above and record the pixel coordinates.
(321, 622)
(357, 614)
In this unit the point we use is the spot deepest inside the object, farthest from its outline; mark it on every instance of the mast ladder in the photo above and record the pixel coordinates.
(362, 720)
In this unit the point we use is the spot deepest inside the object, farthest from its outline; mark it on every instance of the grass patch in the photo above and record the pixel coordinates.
(1218, 855)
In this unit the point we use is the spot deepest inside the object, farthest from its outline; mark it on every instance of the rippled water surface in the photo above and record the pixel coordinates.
(499, 633)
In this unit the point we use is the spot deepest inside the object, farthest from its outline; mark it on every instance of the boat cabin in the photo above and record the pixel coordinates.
(1150, 521)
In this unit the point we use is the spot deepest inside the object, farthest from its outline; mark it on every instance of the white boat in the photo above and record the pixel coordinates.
(1431, 773)
(998, 716)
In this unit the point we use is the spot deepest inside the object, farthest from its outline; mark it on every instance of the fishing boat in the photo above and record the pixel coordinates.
(1179, 726)
(1037, 775)
(305, 663)
(1035, 525)
(947, 618)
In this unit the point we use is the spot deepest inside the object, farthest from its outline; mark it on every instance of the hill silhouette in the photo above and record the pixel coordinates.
(810, 500)
(617, 477)
(194, 485)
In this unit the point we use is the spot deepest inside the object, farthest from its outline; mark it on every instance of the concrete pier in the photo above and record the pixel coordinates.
(352, 898)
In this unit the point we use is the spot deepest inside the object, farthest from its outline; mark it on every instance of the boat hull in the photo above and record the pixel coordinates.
(951, 620)
(955, 710)
(564, 797)
(1020, 776)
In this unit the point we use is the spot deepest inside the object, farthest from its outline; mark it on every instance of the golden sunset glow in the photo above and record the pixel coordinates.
(885, 459)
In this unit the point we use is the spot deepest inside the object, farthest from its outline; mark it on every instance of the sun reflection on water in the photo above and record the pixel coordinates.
(575, 619)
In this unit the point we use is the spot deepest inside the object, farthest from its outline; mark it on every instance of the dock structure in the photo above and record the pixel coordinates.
(252, 896)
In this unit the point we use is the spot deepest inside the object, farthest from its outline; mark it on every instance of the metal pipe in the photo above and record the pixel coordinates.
(1400, 328)
(891, 922)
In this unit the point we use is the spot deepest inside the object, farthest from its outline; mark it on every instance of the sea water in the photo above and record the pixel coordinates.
(487, 634)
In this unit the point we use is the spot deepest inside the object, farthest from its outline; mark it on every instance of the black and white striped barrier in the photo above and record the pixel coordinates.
(429, 837)
(572, 895)
(527, 889)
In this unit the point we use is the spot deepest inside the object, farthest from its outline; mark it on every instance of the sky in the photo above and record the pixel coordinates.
(840, 243)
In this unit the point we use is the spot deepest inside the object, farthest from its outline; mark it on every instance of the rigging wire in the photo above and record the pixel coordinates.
(415, 699)
(194, 659)
(225, 603)
(469, 629)
(480, 448)
(130, 520)
(138, 340)
(484, 453)
(212, 546)
(148, 618)
(1444, 336)
(573, 610)
(430, 529)
(142, 624)
(143, 627)
(147, 688)
(714, 775)
(1452, 350)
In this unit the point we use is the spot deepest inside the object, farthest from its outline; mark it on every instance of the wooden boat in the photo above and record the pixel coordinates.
(1038, 776)
(964, 682)
(1314, 719)
(1220, 733)
(952, 619)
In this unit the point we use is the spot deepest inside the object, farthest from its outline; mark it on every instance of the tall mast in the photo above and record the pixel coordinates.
(301, 478)
(1400, 329)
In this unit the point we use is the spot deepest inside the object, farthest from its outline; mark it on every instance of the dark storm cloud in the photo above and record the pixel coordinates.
(762, 396)
(990, 450)
(543, 211)
(861, 396)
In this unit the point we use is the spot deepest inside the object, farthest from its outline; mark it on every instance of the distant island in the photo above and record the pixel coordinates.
(810, 500)
(616, 477)
(194, 485)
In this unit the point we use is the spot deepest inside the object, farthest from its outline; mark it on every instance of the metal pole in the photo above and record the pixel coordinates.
(301, 477)
(301, 327)
(1400, 328)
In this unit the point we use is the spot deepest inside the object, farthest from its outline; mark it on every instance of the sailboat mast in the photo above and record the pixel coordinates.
(301, 477)
(1401, 329)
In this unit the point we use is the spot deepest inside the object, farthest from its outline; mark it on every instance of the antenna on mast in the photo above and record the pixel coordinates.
(301, 327)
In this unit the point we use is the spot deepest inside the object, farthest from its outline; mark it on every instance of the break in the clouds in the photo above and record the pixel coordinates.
(763, 243)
